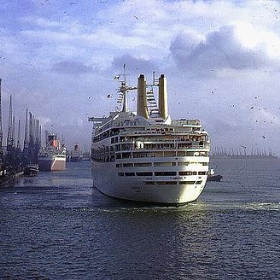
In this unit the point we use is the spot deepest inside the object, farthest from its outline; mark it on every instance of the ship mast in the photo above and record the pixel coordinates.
(123, 89)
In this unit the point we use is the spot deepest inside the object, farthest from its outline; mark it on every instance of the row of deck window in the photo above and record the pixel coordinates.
(161, 173)
(174, 153)
(173, 182)
(158, 164)
(115, 132)
(160, 146)
(99, 155)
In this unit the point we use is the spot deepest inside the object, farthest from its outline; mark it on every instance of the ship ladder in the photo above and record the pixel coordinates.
(152, 104)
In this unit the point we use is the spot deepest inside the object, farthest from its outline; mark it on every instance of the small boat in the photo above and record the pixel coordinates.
(31, 170)
(214, 177)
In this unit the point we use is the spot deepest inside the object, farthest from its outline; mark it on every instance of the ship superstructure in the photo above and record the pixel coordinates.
(76, 155)
(52, 157)
(146, 156)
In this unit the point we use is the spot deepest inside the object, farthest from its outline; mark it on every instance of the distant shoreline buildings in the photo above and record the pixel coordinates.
(241, 152)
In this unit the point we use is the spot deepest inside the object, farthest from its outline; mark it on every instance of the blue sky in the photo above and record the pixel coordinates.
(221, 59)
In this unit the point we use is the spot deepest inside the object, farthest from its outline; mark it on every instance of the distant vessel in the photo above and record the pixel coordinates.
(86, 156)
(31, 170)
(52, 157)
(214, 177)
(3, 174)
(76, 155)
(146, 156)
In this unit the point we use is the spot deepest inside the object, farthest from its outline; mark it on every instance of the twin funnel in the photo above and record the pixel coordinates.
(142, 106)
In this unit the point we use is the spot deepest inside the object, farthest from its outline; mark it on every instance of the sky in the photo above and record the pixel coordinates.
(221, 60)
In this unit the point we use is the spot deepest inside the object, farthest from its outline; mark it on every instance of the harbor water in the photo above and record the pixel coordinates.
(57, 226)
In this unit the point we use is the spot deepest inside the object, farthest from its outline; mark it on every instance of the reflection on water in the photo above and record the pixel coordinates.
(56, 226)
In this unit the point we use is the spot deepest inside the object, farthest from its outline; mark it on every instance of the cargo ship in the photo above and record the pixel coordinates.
(146, 156)
(52, 157)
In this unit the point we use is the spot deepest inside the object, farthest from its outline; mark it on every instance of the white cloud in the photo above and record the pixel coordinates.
(252, 38)
(71, 67)
(226, 48)
(40, 22)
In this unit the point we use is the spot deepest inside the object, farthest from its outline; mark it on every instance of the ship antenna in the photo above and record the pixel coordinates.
(123, 89)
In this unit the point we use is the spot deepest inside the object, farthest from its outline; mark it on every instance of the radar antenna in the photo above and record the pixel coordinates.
(123, 90)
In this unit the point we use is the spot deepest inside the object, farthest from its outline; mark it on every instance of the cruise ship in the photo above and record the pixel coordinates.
(52, 157)
(145, 156)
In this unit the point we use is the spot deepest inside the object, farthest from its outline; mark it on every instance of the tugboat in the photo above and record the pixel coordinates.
(213, 177)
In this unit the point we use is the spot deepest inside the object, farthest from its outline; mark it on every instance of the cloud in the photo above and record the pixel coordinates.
(71, 68)
(218, 50)
(136, 65)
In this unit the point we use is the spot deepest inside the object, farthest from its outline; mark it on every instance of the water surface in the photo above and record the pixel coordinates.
(57, 226)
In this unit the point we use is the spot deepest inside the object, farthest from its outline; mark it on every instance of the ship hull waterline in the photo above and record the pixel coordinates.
(106, 180)
(48, 164)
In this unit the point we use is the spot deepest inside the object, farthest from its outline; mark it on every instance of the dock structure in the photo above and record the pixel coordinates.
(2, 171)
(1, 128)
(13, 159)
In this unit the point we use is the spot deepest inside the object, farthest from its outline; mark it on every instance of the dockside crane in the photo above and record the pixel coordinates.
(1, 130)
(18, 136)
(10, 139)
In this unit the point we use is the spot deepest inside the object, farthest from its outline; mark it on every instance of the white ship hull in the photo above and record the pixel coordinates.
(152, 189)
(52, 163)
